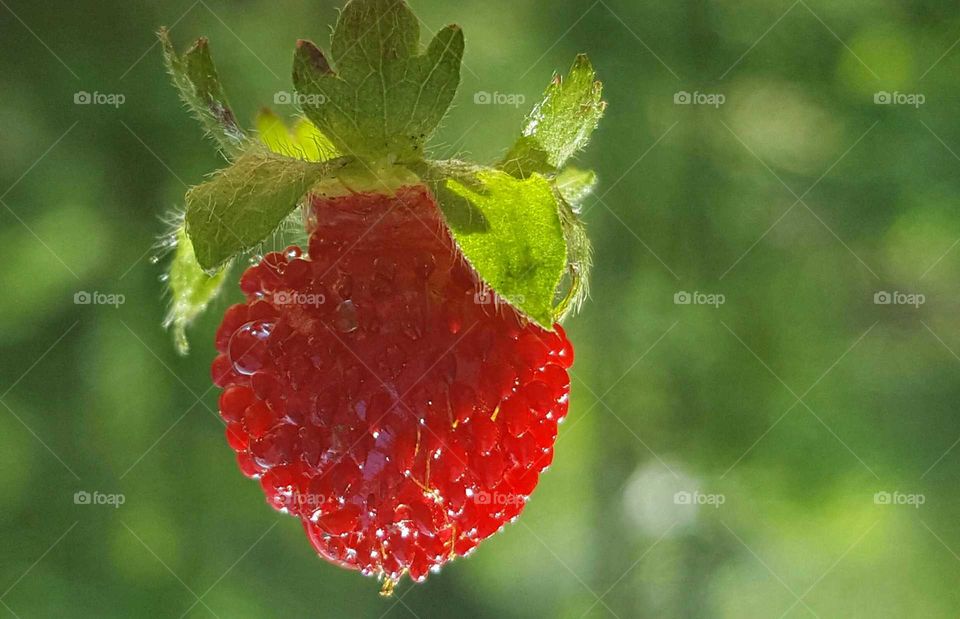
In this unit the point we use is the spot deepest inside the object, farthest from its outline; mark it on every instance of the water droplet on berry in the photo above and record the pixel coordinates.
(248, 346)
(346, 318)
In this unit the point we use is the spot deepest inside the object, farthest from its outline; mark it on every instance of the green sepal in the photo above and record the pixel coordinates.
(576, 282)
(191, 288)
(387, 96)
(301, 141)
(575, 185)
(560, 125)
(196, 79)
(509, 230)
(242, 204)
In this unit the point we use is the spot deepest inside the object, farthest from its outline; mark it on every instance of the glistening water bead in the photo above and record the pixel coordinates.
(248, 346)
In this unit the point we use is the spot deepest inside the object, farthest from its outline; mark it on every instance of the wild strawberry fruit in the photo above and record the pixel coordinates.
(381, 395)
(396, 384)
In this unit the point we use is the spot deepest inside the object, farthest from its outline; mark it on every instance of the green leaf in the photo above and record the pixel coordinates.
(191, 289)
(576, 282)
(510, 231)
(387, 96)
(195, 77)
(242, 204)
(302, 141)
(575, 185)
(560, 125)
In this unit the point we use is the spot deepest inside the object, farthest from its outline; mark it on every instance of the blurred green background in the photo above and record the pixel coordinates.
(791, 451)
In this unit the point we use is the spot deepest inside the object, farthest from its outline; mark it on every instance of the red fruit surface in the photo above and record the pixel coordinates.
(380, 396)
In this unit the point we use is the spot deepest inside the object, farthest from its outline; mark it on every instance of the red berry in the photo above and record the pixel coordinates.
(234, 402)
(402, 421)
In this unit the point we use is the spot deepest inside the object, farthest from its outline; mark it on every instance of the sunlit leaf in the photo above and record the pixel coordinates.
(302, 141)
(511, 233)
(561, 124)
(386, 96)
(191, 289)
(242, 204)
(195, 77)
